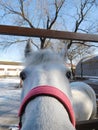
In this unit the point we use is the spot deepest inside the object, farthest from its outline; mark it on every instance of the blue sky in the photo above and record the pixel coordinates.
(12, 53)
(15, 52)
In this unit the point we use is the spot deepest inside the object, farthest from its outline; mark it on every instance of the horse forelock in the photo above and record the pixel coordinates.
(42, 56)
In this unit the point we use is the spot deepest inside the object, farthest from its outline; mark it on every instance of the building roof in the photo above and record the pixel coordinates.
(89, 58)
(10, 63)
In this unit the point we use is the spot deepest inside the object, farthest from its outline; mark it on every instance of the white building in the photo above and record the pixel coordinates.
(10, 69)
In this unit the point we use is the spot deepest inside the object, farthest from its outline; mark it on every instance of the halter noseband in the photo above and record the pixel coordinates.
(47, 91)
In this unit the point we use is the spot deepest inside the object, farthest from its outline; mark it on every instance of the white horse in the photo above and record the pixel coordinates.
(44, 78)
(84, 101)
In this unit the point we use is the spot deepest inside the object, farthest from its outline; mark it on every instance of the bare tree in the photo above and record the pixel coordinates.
(45, 18)
(47, 14)
(81, 16)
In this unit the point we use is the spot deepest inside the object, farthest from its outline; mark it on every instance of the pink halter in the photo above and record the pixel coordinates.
(49, 91)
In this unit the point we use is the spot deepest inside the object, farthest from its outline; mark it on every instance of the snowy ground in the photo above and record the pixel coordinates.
(9, 102)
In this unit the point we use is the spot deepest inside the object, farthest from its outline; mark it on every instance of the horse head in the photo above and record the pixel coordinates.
(46, 94)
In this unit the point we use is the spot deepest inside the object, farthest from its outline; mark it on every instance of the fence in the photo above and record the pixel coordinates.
(23, 31)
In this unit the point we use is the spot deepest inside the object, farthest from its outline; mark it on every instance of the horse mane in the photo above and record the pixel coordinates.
(42, 56)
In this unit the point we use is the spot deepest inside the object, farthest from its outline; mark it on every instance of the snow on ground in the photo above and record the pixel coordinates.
(9, 102)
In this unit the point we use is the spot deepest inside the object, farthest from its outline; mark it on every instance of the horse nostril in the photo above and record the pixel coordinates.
(22, 75)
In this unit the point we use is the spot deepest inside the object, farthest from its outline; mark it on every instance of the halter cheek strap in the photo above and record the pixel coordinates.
(47, 91)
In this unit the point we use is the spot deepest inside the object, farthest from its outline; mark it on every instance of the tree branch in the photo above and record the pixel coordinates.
(50, 24)
(56, 12)
(84, 9)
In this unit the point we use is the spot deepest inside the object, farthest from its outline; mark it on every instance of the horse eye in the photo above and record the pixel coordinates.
(68, 74)
(22, 75)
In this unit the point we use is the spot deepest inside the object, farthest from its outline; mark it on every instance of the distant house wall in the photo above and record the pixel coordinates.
(87, 67)
(7, 70)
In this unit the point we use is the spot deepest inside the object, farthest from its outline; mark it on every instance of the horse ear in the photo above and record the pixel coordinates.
(64, 52)
(28, 48)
